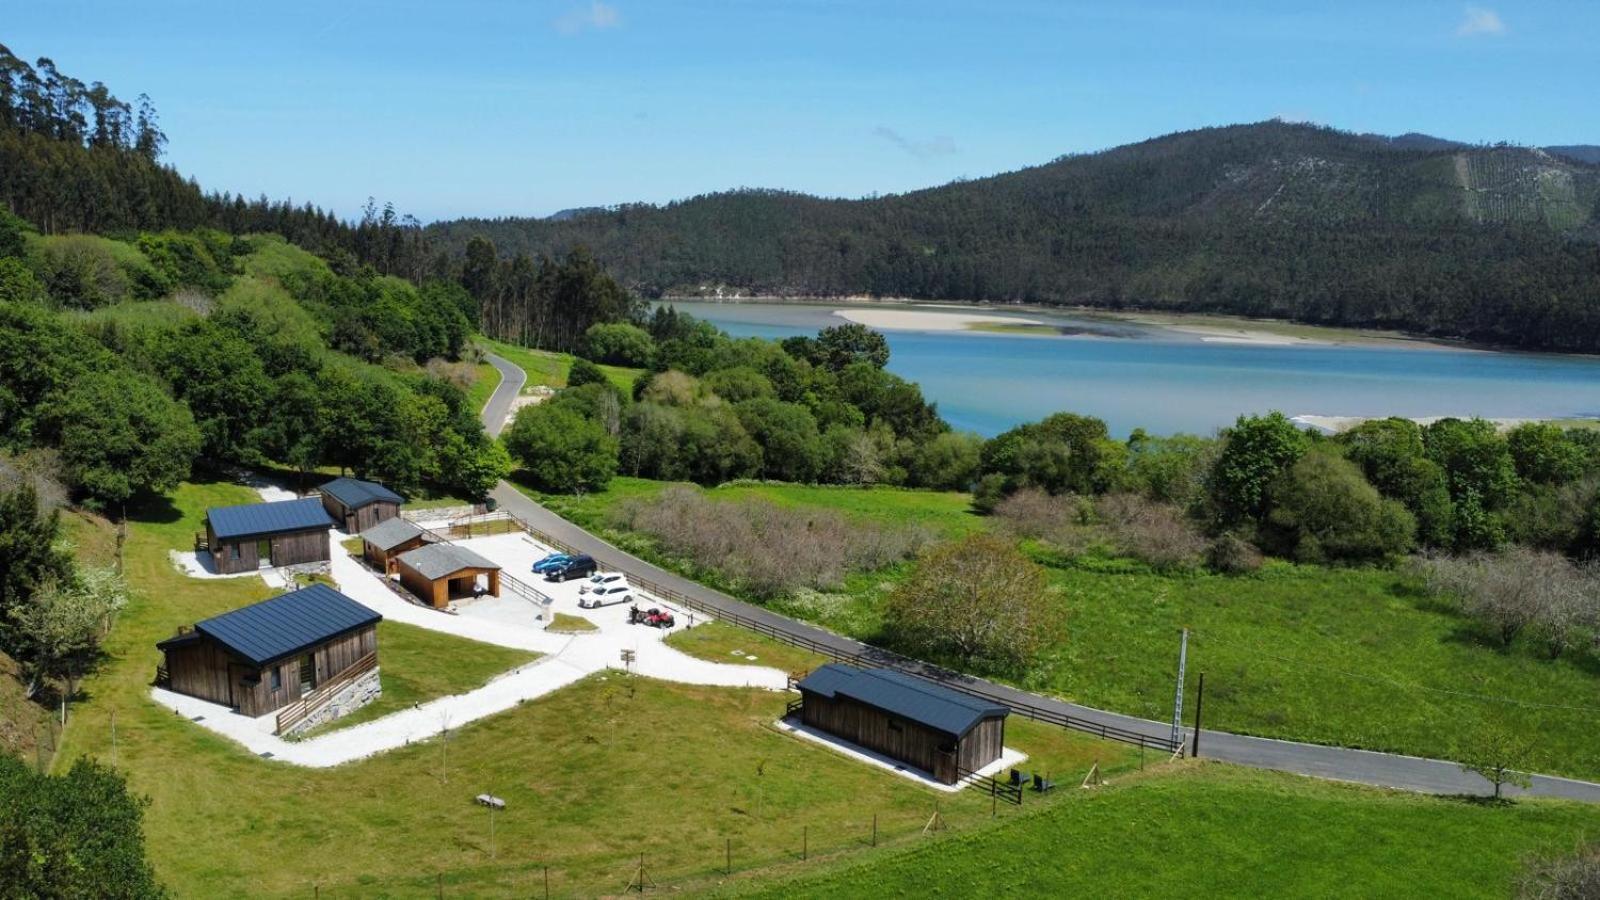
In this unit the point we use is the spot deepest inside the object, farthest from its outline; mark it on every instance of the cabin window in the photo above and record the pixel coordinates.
(277, 678)
(233, 551)
(894, 725)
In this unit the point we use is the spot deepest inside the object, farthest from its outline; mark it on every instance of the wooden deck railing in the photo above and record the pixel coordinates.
(306, 706)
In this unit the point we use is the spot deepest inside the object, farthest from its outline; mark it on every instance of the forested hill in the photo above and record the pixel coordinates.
(1499, 244)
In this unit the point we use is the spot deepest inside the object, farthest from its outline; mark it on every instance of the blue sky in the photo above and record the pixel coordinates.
(523, 108)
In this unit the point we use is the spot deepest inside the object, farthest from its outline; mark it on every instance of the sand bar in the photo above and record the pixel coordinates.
(926, 320)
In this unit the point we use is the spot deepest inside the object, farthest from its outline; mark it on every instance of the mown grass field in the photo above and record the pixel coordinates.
(413, 669)
(1356, 657)
(592, 775)
(1218, 831)
(549, 369)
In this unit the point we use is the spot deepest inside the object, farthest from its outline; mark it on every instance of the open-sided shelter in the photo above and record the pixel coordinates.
(260, 535)
(912, 720)
(262, 657)
(438, 572)
(358, 505)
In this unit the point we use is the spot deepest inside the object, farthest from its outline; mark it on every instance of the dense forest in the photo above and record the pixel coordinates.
(1498, 244)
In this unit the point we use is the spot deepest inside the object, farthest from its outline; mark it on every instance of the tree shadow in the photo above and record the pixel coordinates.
(154, 509)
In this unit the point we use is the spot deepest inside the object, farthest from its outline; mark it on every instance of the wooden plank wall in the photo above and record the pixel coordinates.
(877, 730)
(206, 670)
(300, 547)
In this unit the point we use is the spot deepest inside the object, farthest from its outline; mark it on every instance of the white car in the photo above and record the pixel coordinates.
(607, 594)
(602, 579)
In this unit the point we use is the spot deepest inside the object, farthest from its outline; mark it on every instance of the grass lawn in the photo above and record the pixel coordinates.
(564, 623)
(485, 379)
(592, 774)
(549, 368)
(410, 671)
(1355, 657)
(1218, 831)
(725, 643)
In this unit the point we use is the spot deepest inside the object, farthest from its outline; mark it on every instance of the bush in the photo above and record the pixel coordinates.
(585, 372)
(1520, 590)
(1255, 452)
(1062, 521)
(74, 835)
(763, 548)
(619, 344)
(1575, 877)
(1156, 534)
(1323, 510)
(976, 601)
(1230, 554)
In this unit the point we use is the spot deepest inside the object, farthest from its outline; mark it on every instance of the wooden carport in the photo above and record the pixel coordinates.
(437, 573)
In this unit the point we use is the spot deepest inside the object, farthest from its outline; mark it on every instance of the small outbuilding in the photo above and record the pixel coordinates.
(358, 505)
(438, 573)
(260, 658)
(386, 540)
(909, 719)
(262, 535)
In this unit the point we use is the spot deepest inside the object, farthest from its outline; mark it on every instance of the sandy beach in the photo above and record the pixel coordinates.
(926, 320)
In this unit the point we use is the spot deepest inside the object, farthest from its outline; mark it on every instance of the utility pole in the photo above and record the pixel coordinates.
(1199, 704)
(1177, 702)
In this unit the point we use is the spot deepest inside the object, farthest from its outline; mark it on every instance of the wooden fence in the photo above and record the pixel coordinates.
(872, 656)
(308, 705)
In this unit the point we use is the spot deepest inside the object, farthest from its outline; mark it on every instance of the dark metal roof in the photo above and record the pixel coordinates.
(287, 624)
(355, 493)
(907, 696)
(268, 518)
(435, 561)
(390, 533)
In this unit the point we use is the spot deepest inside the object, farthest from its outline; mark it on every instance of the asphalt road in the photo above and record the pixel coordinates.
(1342, 764)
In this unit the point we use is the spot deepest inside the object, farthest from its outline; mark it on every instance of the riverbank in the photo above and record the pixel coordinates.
(1340, 424)
(906, 314)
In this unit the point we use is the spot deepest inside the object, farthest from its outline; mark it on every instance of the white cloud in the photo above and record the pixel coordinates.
(596, 16)
(940, 145)
(1479, 21)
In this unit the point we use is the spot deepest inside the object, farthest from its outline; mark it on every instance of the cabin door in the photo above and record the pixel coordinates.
(264, 554)
(308, 674)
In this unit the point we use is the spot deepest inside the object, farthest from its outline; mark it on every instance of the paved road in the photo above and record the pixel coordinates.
(1342, 764)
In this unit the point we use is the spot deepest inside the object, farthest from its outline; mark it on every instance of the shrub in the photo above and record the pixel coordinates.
(585, 372)
(763, 548)
(619, 344)
(561, 450)
(1324, 510)
(1520, 590)
(1255, 452)
(1156, 534)
(1231, 554)
(1063, 521)
(976, 601)
(1575, 877)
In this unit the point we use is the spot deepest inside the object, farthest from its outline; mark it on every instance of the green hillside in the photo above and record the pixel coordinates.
(1271, 219)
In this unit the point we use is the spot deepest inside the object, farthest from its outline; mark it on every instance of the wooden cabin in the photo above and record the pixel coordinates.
(259, 658)
(262, 535)
(383, 542)
(357, 505)
(908, 719)
(438, 573)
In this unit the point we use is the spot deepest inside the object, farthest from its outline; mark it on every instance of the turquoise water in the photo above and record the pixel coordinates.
(1167, 382)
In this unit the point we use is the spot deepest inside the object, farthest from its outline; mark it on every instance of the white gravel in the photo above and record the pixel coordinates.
(507, 621)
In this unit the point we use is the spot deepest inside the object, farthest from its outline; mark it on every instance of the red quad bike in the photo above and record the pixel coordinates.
(655, 618)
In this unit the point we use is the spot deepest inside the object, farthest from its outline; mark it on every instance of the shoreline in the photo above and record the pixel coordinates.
(1341, 424)
(1211, 328)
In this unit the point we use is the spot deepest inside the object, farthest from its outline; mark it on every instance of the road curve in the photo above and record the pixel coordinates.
(1338, 763)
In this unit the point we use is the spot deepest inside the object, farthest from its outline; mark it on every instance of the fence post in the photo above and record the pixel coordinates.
(805, 840)
(874, 829)
(727, 859)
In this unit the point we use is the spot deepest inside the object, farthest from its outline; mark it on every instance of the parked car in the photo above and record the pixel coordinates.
(580, 566)
(605, 595)
(602, 579)
(550, 562)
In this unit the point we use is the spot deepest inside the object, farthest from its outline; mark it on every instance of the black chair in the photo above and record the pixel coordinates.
(1042, 784)
(1018, 779)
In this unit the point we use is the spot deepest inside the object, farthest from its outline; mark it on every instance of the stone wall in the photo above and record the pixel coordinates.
(355, 695)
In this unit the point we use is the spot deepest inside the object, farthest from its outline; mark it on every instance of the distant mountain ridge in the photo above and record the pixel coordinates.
(1494, 243)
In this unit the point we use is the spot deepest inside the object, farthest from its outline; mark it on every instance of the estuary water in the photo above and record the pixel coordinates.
(1167, 380)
